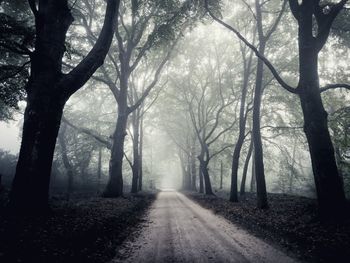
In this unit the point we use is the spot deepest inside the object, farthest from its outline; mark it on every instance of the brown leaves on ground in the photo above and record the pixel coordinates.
(83, 230)
(290, 222)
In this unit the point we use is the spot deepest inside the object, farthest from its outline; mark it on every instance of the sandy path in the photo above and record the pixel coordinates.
(180, 230)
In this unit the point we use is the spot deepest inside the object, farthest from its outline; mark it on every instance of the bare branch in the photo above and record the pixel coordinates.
(128, 160)
(281, 127)
(222, 132)
(220, 151)
(95, 58)
(249, 8)
(217, 118)
(89, 132)
(155, 79)
(152, 102)
(257, 53)
(334, 86)
(278, 19)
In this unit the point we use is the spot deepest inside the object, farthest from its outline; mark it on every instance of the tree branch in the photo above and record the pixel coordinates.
(95, 58)
(257, 53)
(128, 160)
(334, 86)
(222, 132)
(220, 151)
(91, 133)
(155, 79)
(278, 19)
(325, 21)
(19, 69)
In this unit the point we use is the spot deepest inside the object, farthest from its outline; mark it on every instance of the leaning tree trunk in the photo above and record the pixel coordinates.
(245, 169)
(206, 177)
(330, 192)
(235, 165)
(258, 150)
(207, 183)
(242, 128)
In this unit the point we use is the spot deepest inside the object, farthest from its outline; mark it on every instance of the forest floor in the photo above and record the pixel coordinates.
(290, 223)
(80, 230)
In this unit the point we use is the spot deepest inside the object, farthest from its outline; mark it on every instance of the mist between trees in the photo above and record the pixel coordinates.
(210, 96)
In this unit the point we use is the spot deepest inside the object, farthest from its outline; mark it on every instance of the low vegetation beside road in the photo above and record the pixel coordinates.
(291, 222)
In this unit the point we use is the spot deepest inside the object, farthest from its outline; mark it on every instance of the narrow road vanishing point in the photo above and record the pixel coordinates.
(179, 230)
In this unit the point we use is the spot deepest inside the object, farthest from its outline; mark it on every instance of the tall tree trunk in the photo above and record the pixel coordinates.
(136, 157)
(99, 168)
(242, 128)
(43, 113)
(186, 172)
(258, 150)
(253, 177)
(330, 193)
(141, 156)
(193, 169)
(47, 91)
(235, 165)
(245, 169)
(221, 174)
(66, 163)
(201, 183)
(114, 187)
(30, 186)
(292, 175)
(188, 184)
(207, 183)
(183, 169)
(204, 168)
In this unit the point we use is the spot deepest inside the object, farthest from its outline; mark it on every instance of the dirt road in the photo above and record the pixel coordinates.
(180, 230)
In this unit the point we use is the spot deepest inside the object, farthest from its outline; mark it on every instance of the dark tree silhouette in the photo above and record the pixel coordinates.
(48, 89)
(311, 15)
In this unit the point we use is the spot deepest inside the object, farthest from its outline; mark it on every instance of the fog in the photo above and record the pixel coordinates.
(204, 59)
(158, 131)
